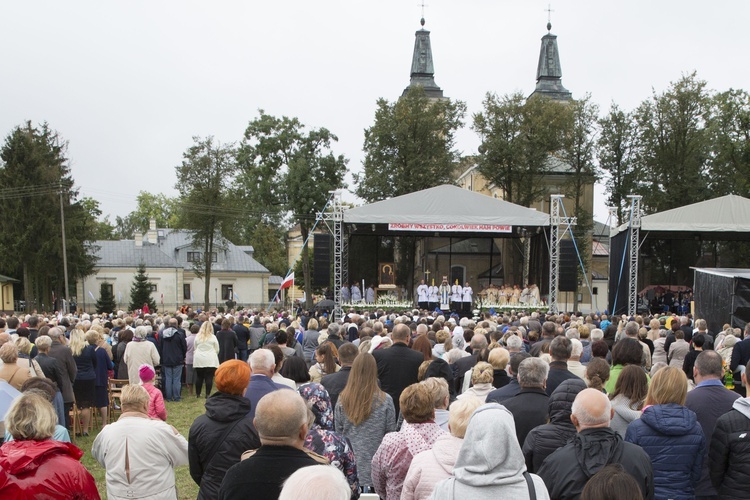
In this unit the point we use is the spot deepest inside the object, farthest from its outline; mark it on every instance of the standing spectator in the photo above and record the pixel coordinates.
(678, 350)
(190, 355)
(9, 370)
(321, 437)
(436, 464)
(660, 352)
(490, 463)
(263, 366)
(566, 471)
(61, 352)
(364, 414)
(205, 358)
(103, 365)
(574, 363)
(512, 388)
(173, 350)
(35, 466)
(709, 400)
(481, 380)
(125, 337)
(138, 452)
(325, 362)
(391, 461)
(310, 341)
(687, 365)
(730, 449)
(316, 482)
(334, 335)
(228, 343)
(530, 406)
(156, 408)
(499, 359)
(740, 353)
(626, 351)
(670, 434)
(560, 350)
(335, 382)
(84, 386)
(398, 366)
(257, 333)
(466, 363)
(218, 438)
(628, 398)
(53, 371)
(542, 441)
(243, 338)
(140, 352)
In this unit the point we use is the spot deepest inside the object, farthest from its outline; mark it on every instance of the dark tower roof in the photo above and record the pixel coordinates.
(548, 72)
(422, 68)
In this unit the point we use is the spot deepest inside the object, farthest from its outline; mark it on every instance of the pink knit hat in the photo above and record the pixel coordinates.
(147, 373)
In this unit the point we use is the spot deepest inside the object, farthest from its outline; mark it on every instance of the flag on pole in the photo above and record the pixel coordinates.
(288, 281)
(91, 295)
(236, 297)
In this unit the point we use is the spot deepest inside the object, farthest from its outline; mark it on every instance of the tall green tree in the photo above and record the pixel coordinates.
(294, 170)
(34, 175)
(729, 128)
(140, 291)
(157, 206)
(206, 208)
(617, 149)
(519, 137)
(100, 229)
(410, 147)
(269, 248)
(106, 301)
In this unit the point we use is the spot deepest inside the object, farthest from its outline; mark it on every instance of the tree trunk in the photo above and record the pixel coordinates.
(306, 267)
(28, 291)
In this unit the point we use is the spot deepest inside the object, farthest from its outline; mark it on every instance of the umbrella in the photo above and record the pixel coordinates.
(324, 304)
(8, 393)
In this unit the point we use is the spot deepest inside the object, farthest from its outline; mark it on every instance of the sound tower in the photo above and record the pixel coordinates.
(321, 260)
(568, 267)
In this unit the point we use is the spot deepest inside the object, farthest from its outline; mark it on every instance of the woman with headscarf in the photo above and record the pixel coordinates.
(321, 437)
(490, 463)
(34, 466)
(218, 438)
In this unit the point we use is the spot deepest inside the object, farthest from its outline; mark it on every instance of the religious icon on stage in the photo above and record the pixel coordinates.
(387, 275)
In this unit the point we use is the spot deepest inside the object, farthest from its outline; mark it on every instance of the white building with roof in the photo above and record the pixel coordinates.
(169, 255)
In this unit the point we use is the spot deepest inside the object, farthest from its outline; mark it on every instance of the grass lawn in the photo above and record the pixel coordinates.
(180, 415)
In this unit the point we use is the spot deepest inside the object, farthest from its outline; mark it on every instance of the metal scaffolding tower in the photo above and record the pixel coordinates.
(340, 252)
(555, 222)
(634, 246)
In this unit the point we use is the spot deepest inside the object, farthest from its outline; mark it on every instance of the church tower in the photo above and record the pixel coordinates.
(422, 68)
(548, 72)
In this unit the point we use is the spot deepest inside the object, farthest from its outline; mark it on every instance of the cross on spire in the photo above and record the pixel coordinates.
(549, 12)
(423, 5)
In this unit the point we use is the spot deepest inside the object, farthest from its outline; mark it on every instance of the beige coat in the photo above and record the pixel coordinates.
(137, 354)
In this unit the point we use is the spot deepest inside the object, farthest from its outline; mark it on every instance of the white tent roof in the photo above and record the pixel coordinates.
(729, 213)
(727, 272)
(445, 204)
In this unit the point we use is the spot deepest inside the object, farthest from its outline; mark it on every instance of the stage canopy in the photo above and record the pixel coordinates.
(722, 296)
(724, 218)
(447, 209)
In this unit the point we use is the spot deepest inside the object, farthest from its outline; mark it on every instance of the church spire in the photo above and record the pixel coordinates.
(422, 68)
(548, 72)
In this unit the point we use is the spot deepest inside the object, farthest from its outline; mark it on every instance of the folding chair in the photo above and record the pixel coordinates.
(115, 393)
(75, 419)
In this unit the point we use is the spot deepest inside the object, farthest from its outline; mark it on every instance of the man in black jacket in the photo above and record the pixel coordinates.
(228, 343)
(243, 336)
(560, 350)
(281, 421)
(398, 366)
(510, 390)
(335, 382)
(463, 365)
(172, 349)
(730, 447)
(530, 406)
(566, 471)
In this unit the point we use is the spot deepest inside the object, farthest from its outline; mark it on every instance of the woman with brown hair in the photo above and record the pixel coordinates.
(597, 374)
(671, 435)
(364, 414)
(422, 345)
(325, 362)
(628, 397)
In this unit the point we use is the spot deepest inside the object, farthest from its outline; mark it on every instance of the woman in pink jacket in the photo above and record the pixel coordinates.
(432, 466)
(156, 407)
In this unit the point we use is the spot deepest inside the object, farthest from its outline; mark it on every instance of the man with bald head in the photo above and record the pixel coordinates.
(596, 445)
(281, 421)
(398, 365)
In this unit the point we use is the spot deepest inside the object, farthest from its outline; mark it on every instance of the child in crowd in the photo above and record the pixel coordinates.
(156, 407)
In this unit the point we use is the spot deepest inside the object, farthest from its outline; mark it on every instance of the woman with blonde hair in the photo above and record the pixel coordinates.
(482, 376)
(84, 385)
(205, 358)
(24, 359)
(671, 435)
(10, 371)
(364, 414)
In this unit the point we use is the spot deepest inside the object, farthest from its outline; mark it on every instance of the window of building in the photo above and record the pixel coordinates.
(227, 292)
(186, 292)
(214, 257)
(458, 273)
(109, 288)
(193, 256)
(154, 288)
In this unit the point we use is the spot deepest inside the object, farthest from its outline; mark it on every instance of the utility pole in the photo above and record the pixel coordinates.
(64, 248)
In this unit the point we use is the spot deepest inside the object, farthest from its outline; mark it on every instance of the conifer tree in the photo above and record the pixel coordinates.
(140, 292)
(106, 302)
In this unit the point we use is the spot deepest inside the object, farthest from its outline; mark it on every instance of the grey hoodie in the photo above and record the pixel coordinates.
(490, 463)
(742, 405)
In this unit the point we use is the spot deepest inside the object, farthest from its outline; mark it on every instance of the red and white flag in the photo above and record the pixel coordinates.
(288, 281)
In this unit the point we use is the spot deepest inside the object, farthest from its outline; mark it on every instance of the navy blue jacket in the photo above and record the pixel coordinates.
(671, 435)
(86, 363)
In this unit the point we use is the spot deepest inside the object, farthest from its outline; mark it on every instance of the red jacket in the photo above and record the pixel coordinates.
(44, 469)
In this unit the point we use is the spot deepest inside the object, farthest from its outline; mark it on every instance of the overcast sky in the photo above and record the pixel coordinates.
(129, 83)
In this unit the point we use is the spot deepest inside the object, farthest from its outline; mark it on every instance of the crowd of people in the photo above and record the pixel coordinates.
(410, 405)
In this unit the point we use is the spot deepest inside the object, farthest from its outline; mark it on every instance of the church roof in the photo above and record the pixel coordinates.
(422, 67)
(549, 72)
